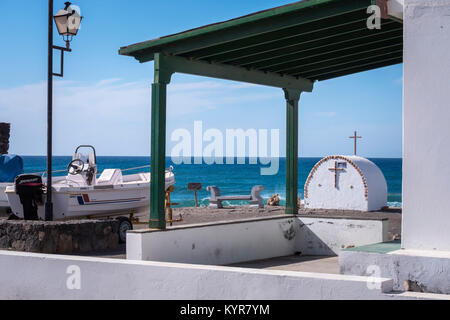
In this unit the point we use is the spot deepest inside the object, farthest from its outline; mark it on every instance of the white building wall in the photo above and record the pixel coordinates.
(426, 125)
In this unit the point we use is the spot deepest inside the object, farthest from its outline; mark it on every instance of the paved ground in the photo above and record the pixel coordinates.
(320, 264)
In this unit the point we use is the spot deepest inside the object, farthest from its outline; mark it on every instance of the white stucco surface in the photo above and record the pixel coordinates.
(426, 125)
(41, 276)
(360, 185)
(395, 8)
(429, 270)
(215, 243)
(329, 236)
(254, 239)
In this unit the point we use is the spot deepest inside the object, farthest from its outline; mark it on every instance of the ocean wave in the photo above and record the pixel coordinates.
(204, 202)
(395, 204)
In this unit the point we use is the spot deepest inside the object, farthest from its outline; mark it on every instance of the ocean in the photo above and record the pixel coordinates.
(231, 179)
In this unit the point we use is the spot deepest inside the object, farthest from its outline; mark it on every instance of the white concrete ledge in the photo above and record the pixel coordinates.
(216, 243)
(428, 270)
(42, 276)
(328, 236)
(223, 243)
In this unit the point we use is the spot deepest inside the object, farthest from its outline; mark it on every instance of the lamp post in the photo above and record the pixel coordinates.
(68, 23)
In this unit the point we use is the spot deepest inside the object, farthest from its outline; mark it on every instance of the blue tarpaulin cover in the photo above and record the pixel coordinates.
(10, 167)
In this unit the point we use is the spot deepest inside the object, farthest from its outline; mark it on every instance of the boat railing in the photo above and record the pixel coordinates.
(44, 173)
(136, 168)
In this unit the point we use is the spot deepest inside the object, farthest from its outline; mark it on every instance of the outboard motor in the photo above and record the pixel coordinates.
(30, 190)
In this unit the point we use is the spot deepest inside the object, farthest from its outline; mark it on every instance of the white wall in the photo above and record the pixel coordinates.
(41, 276)
(426, 125)
(318, 236)
(430, 270)
(395, 8)
(253, 239)
(215, 243)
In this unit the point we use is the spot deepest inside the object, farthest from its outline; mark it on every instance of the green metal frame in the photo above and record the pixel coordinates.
(165, 67)
(292, 97)
(278, 18)
(288, 47)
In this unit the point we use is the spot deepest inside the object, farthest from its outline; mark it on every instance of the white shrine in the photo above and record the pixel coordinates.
(346, 183)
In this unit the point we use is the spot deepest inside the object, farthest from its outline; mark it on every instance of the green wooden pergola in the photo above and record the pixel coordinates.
(288, 47)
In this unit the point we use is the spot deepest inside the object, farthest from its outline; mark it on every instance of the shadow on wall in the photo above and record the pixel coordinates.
(308, 243)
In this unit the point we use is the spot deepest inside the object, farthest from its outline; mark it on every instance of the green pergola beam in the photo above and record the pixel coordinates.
(298, 40)
(280, 36)
(326, 44)
(357, 69)
(172, 64)
(244, 27)
(316, 72)
(332, 73)
(333, 60)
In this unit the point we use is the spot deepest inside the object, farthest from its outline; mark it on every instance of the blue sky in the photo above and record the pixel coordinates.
(104, 98)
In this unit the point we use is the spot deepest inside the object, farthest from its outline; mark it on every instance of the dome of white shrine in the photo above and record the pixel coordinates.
(346, 183)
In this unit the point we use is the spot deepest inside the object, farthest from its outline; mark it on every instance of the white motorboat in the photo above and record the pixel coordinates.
(81, 194)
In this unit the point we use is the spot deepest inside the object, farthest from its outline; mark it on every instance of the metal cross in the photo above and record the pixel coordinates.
(335, 169)
(355, 137)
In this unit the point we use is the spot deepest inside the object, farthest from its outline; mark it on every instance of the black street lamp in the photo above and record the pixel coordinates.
(68, 22)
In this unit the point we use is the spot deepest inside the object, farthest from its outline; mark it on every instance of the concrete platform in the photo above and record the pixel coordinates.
(318, 264)
(411, 270)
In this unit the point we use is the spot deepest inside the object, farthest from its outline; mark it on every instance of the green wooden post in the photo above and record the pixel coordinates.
(292, 97)
(158, 145)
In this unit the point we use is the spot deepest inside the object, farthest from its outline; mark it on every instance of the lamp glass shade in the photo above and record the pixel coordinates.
(62, 22)
(74, 23)
(68, 23)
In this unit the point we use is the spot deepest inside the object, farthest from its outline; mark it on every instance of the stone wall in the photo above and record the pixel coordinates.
(4, 137)
(59, 237)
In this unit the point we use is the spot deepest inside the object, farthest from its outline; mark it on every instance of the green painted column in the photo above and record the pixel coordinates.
(292, 97)
(158, 146)
(158, 156)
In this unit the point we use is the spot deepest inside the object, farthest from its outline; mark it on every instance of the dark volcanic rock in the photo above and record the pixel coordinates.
(4, 137)
(59, 237)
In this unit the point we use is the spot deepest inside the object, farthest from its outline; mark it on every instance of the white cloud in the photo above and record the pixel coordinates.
(110, 113)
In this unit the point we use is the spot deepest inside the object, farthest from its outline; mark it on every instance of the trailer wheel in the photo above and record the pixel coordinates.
(124, 225)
